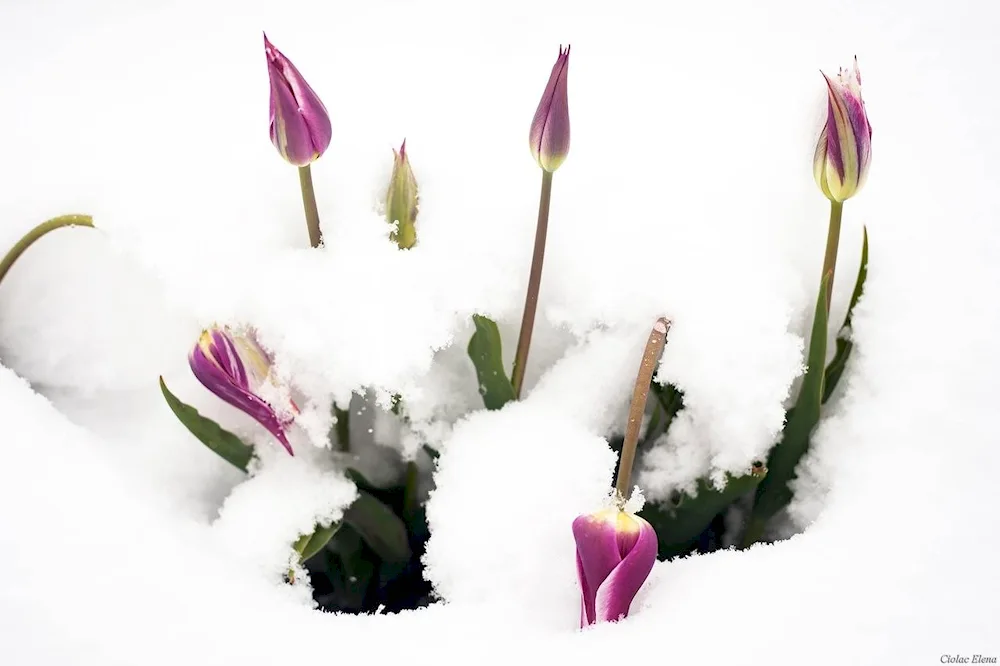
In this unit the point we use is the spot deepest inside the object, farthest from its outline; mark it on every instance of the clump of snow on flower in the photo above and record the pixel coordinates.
(510, 484)
(286, 499)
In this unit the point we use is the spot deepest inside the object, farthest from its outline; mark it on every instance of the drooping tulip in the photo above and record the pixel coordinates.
(549, 135)
(401, 200)
(300, 124)
(615, 551)
(843, 152)
(216, 362)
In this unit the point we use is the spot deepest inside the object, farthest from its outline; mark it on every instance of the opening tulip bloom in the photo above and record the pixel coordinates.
(217, 363)
(549, 136)
(615, 551)
(843, 153)
(300, 125)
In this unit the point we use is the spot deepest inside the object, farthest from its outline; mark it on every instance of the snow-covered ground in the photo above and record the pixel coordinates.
(687, 192)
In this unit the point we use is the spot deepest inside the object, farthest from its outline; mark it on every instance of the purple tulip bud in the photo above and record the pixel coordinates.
(549, 136)
(300, 125)
(615, 552)
(844, 151)
(216, 363)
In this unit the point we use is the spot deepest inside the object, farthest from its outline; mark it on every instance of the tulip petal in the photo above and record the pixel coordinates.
(597, 554)
(587, 593)
(615, 594)
(217, 365)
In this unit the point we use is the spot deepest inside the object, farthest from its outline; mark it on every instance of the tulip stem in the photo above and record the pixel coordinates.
(309, 203)
(39, 231)
(832, 245)
(534, 282)
(654, 347)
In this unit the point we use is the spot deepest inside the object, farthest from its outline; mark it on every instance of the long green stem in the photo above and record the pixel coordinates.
(832, 244)
(534, 282)
(38, 232)
(654, 347)
(309, 204)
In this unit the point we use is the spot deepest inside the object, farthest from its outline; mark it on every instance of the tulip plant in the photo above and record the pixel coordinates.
(371, 558)
(300, 127)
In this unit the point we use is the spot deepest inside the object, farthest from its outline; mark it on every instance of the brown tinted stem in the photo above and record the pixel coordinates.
(309, 204)
(654, 347)
(534, 282)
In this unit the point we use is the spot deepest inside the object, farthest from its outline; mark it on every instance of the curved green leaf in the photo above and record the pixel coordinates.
(844, 346)
(381, 529)
(486, 352)
(229, 447)
(310, 544)
(773, 493)
(671, 400)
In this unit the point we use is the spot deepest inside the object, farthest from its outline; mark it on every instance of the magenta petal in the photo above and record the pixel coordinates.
(218, 367)
(586, 594)
(615, 594)
(597, 554)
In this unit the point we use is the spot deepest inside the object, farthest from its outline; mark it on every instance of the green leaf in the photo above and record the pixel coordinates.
(844, 346)
(229, 447)
(679, 523)
(363, 483)
(773, 493)
(350, 568)
(310, 544)
(670, 399)
(380, 528)
(486, 352)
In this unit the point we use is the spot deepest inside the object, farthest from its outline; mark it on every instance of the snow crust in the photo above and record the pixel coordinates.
(687, 193)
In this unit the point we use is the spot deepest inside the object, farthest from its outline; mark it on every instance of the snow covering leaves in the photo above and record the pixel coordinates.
(688, 195)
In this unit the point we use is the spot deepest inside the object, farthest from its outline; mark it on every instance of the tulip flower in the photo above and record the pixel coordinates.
(216, 362)
(300, 127)
(401, 200)
(615, 551)
(549, 143)
(549, 135)
(843, 153)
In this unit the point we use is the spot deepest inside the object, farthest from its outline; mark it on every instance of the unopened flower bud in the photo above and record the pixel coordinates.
(844, 151)
(300, 125)
(549, 136)
(401, 200)
(615, 551)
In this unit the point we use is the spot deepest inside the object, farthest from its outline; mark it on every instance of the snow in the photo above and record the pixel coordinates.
(687, 193)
